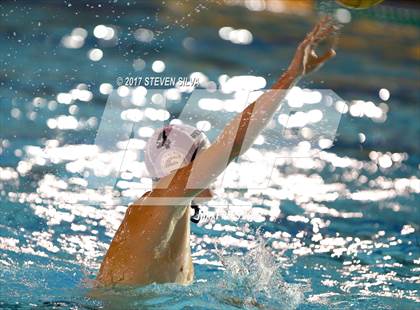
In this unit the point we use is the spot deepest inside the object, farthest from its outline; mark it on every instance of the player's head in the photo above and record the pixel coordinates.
(173, 147)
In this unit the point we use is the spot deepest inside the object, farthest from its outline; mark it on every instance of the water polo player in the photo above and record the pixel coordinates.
(153, 242)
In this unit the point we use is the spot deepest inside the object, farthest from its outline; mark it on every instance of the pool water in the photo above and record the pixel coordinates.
(338, 230)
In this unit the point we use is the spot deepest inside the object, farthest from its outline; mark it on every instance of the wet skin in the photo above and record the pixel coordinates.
(152, 244)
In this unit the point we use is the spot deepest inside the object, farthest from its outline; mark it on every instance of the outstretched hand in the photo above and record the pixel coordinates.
(306, 59)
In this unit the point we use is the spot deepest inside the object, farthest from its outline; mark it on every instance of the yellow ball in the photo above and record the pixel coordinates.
(358, 4)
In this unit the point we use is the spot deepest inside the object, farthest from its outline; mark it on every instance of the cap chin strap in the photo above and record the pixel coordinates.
(195, 218)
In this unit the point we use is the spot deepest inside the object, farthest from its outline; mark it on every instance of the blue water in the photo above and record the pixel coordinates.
(339, 230)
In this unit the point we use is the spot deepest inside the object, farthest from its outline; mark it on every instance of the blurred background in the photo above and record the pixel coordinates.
(340, 230)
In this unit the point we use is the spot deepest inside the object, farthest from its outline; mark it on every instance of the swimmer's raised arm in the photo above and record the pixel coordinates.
(152, 244)
(241, 132)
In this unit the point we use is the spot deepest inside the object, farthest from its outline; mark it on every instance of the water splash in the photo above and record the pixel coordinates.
(254, 279)
(250, 280)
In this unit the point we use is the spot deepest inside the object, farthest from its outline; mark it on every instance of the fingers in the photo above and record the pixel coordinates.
(324, 29)
(322, 24)
(313, 33)
(315, 29)
(328, 55)
(325, 33)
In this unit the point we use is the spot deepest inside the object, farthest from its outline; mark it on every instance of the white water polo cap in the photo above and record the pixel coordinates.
(173, 147)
